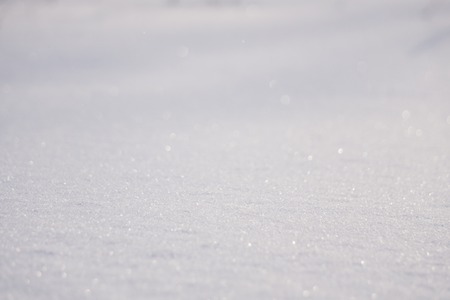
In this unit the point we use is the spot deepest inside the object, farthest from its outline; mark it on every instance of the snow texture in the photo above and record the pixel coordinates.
(225, 149)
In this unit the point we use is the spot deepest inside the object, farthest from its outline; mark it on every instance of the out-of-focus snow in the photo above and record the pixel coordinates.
(224, 149)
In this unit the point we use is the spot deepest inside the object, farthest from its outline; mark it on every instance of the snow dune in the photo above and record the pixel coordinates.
(224, 149)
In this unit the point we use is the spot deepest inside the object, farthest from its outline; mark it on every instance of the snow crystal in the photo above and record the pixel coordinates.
(406, 114)
(285, 99)
(272, 83)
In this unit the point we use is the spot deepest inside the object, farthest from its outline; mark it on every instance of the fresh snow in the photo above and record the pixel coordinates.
(224, 149)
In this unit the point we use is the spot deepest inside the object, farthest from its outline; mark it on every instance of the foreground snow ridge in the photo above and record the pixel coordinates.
(224, 150)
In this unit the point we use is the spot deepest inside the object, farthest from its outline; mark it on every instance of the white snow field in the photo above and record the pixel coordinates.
(225, 149)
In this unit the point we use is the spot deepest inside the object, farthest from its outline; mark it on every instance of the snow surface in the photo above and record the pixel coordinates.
(225, 149)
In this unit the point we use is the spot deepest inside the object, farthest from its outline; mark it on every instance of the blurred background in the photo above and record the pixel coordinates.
(217, 53)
